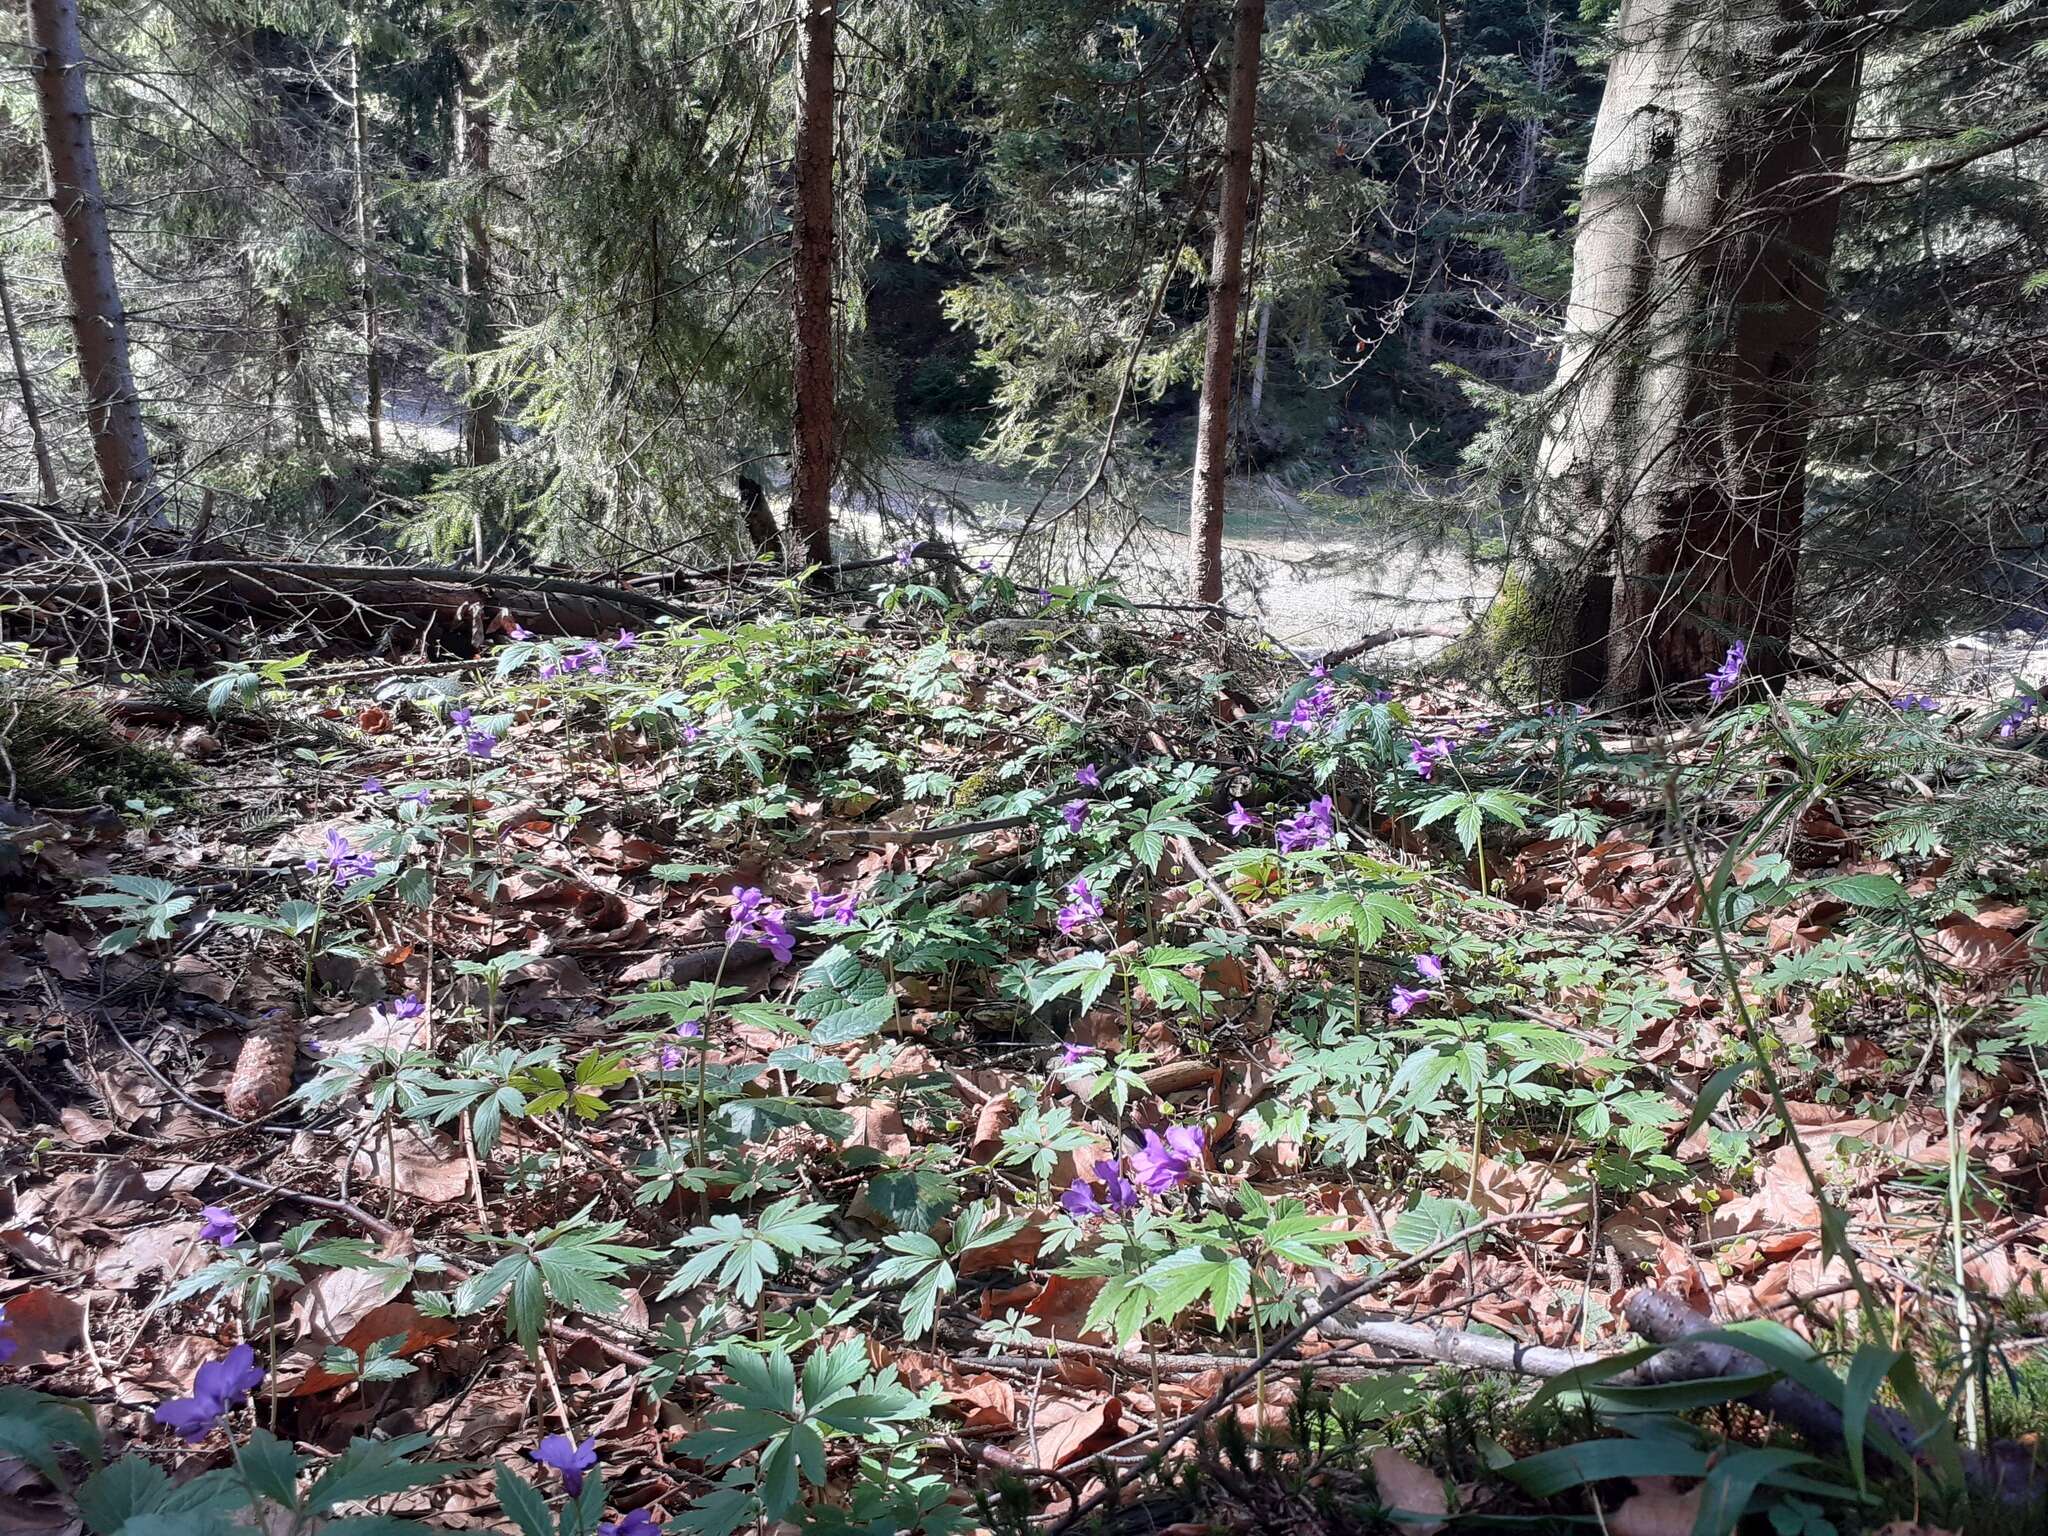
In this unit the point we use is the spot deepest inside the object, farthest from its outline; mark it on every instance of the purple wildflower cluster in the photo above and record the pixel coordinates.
(1406, 1000)
(838, 908)
(218, 1224)
(1424, 757)
(1315, 827)
(342, 863)
(1159, 1166)
(1118, 1195)
(476, 742)
(1722, 680)
(2022, 712)
(1312, 711)
(753, 919)
(568, 1458)
(217, 1386)
(1907, 703)
(590, 658)
(1083, 906)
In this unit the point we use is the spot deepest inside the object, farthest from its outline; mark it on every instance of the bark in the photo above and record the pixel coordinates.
(813, 450)
(1259, 334)
(373, 365)
(1226, 294)
(1665, 518)
(1541, 75)
(46, 472)
(99, 324)
(480, 434)
(310, 430)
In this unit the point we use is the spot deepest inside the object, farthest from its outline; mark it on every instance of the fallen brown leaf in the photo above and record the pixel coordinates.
(1405, 1484)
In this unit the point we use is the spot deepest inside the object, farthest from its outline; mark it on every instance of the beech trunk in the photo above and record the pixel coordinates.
(814, 445)
(1665, 518)
(1226, 297)
(99, 324)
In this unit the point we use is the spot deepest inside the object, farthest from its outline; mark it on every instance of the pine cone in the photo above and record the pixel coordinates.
(263, 1071)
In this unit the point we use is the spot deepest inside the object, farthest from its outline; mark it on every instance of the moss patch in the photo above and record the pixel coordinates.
(66, 752)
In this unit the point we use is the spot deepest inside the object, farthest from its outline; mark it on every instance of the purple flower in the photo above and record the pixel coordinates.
(1906, 702)
(753, 919)
(1314, 708)
(1044, 598)
(1087, 777)
(627, 641)
(343, 863)
(460, 718)
(1423, 757)
(637, 1523)
(1320, 669)
(9, 1344)
(1429, 968)
(984, 565)
(1074, 812)
(1281, 728)
(671, 1058)
(407, 1007)
(905, 555)
(1240, 819)
(1312, 828)
(1721, 680)
(550, 669)
(833, 909)
(690, 735)
(373, 785)
(1405, 1000)
(1119, 1194)
(590, 656)
(479, 744)
(1165, 1165)
(519, 632)
(218, 1224)
(2022, 712)
(1083, 906)
(691, 1029)
(419, 797)
(217, 1386)
(1073, 1053)
(568, 1458)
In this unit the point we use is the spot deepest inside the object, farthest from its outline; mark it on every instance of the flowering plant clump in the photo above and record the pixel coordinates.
(840, 908)
(1722, 680)
(343, 864)
(1907, 703)
(754, 920)
(1311, 712)
(2021, 713)
(1314, 827)
(217, 1387)
(1119, 1194)
(1165, 1163)
(1083, 906)
(1424, 757)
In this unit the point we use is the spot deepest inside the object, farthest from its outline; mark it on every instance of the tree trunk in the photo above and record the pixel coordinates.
(760, 521)
(480, 435)
(1540, 77)
(1664, 523)
(310, 432)
(98, 322)
(46, 472)
(1258, 396)
(1226, 292)
(373, 366)
(814, 446)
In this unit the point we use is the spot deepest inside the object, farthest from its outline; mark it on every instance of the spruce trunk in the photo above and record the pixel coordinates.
(480, 435)
(46, 471)
(373, 367)
(1226, 296)
(1665, 518)
(813, 449)
(98, 322)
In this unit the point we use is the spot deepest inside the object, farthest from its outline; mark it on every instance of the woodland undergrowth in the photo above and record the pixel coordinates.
(926, 1060)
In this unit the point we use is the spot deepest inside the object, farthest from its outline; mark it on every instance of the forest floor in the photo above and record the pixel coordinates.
(940, 1061)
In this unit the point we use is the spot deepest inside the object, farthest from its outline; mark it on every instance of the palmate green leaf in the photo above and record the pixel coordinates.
(913, 1199)
(1179, 1279)
(1085, 976)
(522, 1501)
(1430, 1221)
(370, 1468)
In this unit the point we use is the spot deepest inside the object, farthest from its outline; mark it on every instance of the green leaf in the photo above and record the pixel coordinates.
(522, 1501)
(1549, 1473)
(271, 1468)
